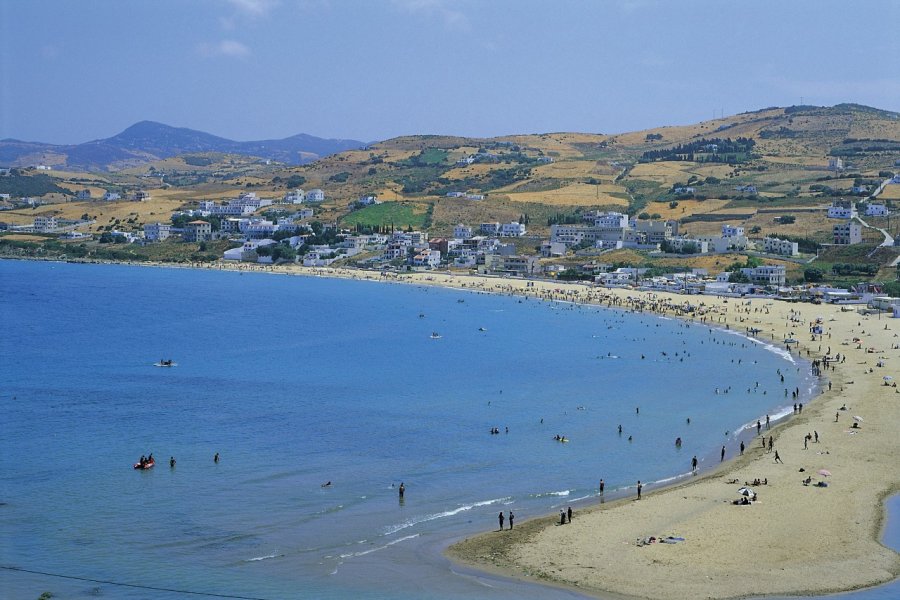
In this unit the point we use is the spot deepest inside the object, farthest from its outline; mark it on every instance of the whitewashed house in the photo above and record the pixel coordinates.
(45, 224)
(876, 210)
(773, 245)
(111, 196)
(315, 195)
(462, 232)
(512, 229)
(83, 195)
(294, 197)
(842, 209)
(157, 232)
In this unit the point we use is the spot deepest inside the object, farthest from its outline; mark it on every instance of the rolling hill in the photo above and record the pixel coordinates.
(148, 141)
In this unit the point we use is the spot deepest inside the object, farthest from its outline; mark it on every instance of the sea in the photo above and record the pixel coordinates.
(321, 397)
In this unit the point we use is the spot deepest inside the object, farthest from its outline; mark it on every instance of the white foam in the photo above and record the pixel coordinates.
(266, 557)
(377, 548)
(392, 529)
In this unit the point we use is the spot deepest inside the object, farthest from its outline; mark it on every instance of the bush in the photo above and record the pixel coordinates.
(813, 275)
(295, 181)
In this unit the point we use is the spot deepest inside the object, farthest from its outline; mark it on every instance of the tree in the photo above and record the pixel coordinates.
(813, 275)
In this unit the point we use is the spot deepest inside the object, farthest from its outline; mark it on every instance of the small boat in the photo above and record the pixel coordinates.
(482, 329)
(149, 464)
(166, 363)
(435, 335)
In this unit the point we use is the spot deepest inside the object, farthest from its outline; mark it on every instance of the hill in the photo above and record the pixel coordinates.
(766, 170)
(148, 141)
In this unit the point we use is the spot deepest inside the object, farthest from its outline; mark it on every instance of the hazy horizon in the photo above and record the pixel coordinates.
(268, 69)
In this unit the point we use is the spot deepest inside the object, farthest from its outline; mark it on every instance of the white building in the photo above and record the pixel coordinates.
(720, 244)
(680, 244)
(45, 224)
(772, 275)
(512, 229)
(110, 196)
(778, 246)
(848, 233)
(83, 195)
(305, 213)
(611, 220)
(876, 210)
(140, 196)
(490, 228)
(315, 195)
(841, 209)
(427, 258)
(474, 196)
(368, 200)
(295, 197)
(157, 232)
(462, 232)
(455, 194)
(730, 231)
(835, 164)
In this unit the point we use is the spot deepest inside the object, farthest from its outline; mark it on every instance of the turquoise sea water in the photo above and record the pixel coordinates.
(299, 381)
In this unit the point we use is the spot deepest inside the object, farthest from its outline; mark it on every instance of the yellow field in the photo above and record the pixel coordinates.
(669, 173)
(891, 192)
(473, 170)
(24, 237)
(804, 161)
(156, 209)
(574, 194)
(685, 208)
(569, 169)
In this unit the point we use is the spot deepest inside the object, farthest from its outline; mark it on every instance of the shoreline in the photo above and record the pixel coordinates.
(796, 540)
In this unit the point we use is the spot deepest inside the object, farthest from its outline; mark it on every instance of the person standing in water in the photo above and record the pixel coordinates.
(402, 489)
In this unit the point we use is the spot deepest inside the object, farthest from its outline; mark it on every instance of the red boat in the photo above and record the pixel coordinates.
(145, 465)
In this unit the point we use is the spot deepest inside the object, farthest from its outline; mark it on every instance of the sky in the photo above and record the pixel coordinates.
(375, 69)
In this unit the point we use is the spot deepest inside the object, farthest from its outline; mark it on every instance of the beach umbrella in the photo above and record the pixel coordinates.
(745, 491)
(887, 378)
(858, 419)
(824, 472)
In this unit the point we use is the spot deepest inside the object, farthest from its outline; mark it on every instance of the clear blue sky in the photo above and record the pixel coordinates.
(367, 69)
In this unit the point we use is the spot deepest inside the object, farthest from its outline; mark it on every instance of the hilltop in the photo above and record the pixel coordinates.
(147, 141)
(766, 170)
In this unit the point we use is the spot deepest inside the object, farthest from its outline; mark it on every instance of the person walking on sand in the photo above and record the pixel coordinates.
(569, 514)
(742, 447)
(639, 488)
(694, 465)
(511, 517)
(500, 518)
(562, 517)
(778, 458)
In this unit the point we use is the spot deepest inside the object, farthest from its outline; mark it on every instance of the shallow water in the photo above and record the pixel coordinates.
(299, 381)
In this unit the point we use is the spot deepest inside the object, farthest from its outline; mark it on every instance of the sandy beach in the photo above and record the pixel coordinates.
(794, 539)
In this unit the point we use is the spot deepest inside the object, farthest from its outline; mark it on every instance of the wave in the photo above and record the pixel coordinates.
(266, 557)
(392, 529)
(377, 548)
(547, 494)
